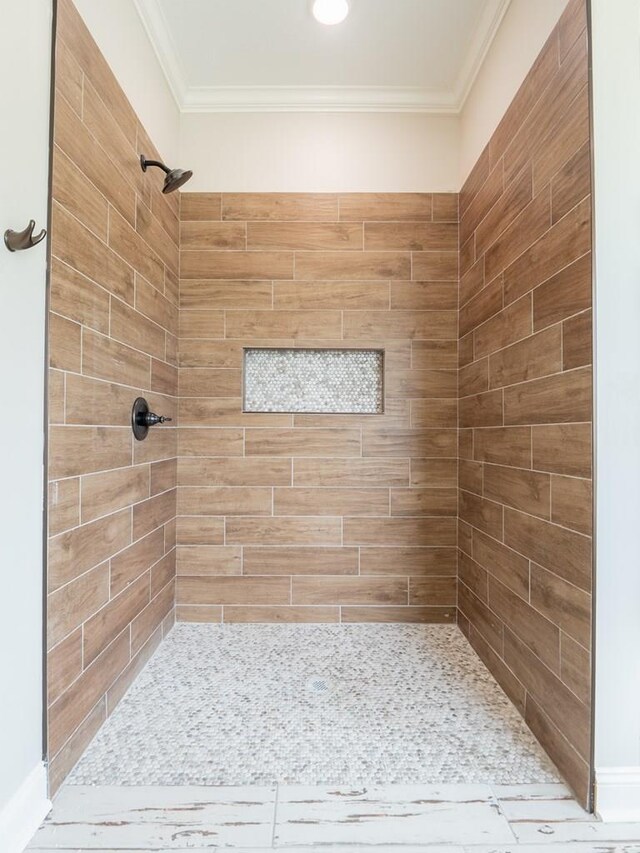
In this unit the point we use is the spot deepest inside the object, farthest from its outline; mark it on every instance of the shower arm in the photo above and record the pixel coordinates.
(146, 163)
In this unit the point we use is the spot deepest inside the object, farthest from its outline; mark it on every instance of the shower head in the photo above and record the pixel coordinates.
(174, 177)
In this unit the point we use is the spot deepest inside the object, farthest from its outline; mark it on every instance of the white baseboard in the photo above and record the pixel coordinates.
(617, 794)
(25, 811)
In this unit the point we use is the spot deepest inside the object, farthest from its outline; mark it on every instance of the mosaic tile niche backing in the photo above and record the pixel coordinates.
(335, 381)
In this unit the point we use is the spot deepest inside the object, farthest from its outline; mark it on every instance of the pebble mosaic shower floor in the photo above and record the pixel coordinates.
(314, 704)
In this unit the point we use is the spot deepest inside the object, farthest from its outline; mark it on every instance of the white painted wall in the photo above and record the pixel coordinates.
(616, 95)
(525, 27)
(122, 38)
(25, 57)
(320, 152)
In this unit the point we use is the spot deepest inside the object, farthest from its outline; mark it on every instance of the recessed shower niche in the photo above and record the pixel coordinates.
(331, 381)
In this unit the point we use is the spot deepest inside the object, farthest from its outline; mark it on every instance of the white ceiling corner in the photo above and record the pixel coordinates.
(302, 98)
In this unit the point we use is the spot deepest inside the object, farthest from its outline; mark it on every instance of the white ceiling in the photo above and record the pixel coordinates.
(389, 55)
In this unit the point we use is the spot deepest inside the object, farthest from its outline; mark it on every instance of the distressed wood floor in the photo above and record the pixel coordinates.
(401, 818)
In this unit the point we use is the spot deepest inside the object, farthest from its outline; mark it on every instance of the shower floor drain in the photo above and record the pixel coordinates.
(319, 685)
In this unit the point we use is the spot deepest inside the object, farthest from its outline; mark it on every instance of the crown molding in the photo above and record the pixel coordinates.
(159, 34)
(490, 20)
(225, 99)
(390, 99)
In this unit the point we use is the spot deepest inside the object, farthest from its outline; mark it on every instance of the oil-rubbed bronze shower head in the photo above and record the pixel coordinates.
(174, 177)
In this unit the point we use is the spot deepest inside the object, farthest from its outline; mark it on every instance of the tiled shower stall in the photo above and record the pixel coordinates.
(467, 500)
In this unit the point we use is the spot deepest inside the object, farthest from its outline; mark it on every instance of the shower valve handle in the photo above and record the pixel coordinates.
(151, 419)
(142, 418)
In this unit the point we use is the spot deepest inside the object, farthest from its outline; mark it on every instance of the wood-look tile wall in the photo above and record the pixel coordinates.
(113, 337)
(319, 518)
(525, 504)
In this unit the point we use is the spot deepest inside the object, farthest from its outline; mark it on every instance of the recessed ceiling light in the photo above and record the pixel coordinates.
(330, 11)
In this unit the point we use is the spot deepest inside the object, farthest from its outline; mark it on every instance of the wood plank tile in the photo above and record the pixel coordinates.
(543, 684)
(411, 236)
(107, 359)
(107, 624)
(563, 449)
(565, 242)
(481, 513)
(239, 265)
(416, 615)
(78, 196)
(213, 235)
(509, 567)
(74, 705)
(416, 502)
(433, 355)
(562, 551)
(79, 248)
(488, 189)
(408, 561)
(238, 472)
(434, 266)
(533, 629)
(284, 531)
(483, 620)
(530, 358)
(330, 295)
(399, 531)
(64, 665)
(470, 475)
(328, 501)
(351, 266)
(409, 442)
(76, 297)
(269, 560)
(304, 235)
(432, 592)
(421, 383)
(507, 208)
(445, 207)
(201, 294)
(472, 281)
(79, 450)
(434, 473)
(577, 341)
(346, 590)
(426, 325)
(527, 491)
(72, 604)
(232, 590)
(571, 503)
(128, 565)
(199, 613)
(423, 296)
(224, 500)
(481, 410)
(200, 206)
(307, 442)
(390, 207)
(153, 512)
(109, 491)
(510, 325)
(64, 504)
(433, 413)
(214, 382)
(356, 473)
(562, 603)
(285, 614)
(531, 224)
(205, 560)
(572, 183)
(210, 442)
(563, 398)
(575, 668)
(284, 324)
(199, 531)
(504, 446)
(280, 206)
(473, 576)
(573, 767)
